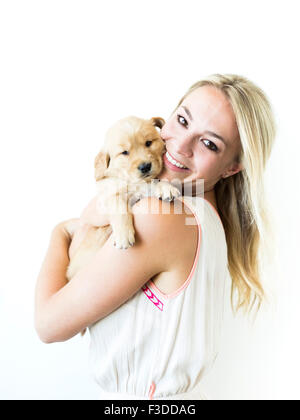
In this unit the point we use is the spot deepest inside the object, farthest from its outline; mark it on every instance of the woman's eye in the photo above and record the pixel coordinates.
(148, 143)
(182, 120)
(213, 147)
(125, 152)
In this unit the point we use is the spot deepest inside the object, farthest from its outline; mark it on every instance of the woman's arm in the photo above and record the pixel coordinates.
(64, 309)
(52, 276)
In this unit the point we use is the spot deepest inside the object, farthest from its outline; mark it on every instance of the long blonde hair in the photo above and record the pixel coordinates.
(241, 197)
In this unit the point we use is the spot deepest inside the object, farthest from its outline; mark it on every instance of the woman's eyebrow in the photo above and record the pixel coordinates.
(211, 133)
(188, 112)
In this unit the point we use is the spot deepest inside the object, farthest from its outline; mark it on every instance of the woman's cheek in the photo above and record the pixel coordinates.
(165, 132)
(206, 166)
(169, 130)
(213, 169)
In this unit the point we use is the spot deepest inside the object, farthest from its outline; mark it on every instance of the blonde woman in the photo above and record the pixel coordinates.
(155, 310)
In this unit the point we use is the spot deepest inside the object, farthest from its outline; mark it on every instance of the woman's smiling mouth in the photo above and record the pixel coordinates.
(174, 164)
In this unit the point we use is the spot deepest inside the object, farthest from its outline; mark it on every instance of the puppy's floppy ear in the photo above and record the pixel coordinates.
(158, 122)
(101, 164)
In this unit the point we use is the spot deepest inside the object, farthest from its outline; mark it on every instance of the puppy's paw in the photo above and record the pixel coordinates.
(124, 239)
(166, 191)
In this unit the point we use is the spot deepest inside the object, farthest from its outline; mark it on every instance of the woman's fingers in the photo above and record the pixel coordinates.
(79, 235)
(69, 227)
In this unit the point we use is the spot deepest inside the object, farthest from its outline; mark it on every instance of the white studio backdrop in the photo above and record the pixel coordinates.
(68, 70)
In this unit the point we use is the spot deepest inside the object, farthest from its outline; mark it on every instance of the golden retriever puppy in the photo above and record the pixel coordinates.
(125, 170)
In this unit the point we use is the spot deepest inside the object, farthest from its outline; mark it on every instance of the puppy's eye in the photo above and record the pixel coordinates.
(148, 143)
(125, 152)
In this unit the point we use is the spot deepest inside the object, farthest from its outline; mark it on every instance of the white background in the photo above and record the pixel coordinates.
(71, 68)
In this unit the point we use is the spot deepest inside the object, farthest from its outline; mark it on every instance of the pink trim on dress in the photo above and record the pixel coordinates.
(214, 209)
(151, 391)
(151, 296)
(188, 280)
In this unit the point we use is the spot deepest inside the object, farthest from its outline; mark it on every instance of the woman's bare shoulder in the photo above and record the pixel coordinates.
(174, 223)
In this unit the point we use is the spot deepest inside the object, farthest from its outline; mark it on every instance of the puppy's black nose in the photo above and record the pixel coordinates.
(144, 167)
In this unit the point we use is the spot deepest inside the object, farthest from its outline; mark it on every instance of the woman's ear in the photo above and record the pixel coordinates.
(158, 122)
(234, 169)
(101, 164)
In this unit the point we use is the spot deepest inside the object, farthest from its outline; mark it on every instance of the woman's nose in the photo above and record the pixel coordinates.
(184, 146)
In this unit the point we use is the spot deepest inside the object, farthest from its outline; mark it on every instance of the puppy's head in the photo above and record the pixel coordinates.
(133, 150)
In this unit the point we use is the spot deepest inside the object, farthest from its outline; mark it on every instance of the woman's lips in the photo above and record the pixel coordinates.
(173, 167)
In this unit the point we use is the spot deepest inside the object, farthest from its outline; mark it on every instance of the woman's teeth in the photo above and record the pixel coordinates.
(174, 162)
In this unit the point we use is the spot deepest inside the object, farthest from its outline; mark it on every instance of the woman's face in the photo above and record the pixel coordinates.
(201, 135)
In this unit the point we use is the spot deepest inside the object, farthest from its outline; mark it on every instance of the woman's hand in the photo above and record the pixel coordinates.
(78, 237)
(94, 214)
(68, 227)
(72, 231)
(77, 229)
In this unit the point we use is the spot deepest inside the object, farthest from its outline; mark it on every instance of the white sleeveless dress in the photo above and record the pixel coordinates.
(159, 346)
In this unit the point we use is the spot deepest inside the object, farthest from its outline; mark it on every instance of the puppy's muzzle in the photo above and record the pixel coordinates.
(145, 168)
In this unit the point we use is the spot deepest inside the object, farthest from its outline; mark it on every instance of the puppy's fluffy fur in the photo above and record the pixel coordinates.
(130, 159)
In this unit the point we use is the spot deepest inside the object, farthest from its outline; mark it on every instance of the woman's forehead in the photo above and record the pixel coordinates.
(207, 99)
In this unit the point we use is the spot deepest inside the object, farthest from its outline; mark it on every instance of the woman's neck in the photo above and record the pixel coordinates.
(211, 197)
